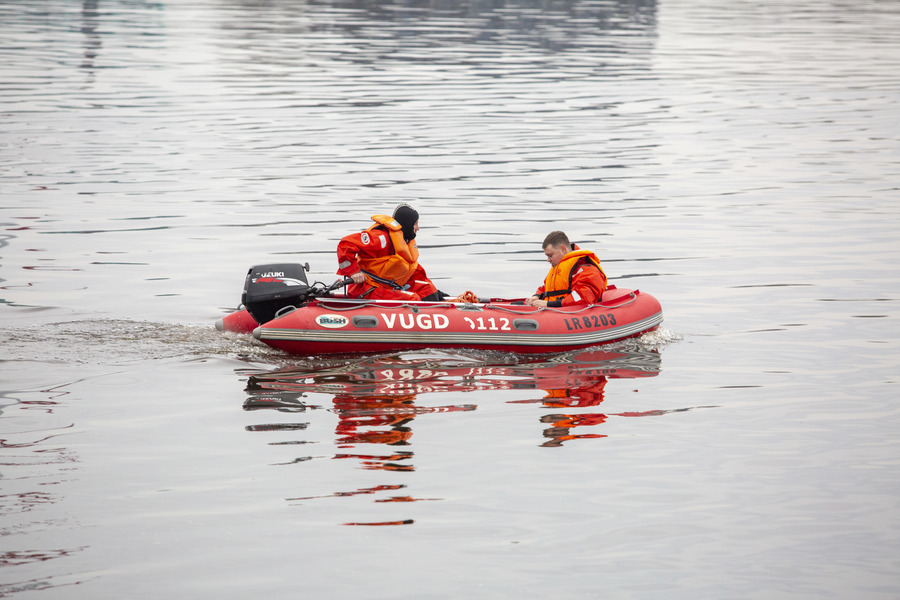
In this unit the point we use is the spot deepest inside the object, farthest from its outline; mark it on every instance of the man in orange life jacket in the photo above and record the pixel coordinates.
(383, 262)
(575, 276)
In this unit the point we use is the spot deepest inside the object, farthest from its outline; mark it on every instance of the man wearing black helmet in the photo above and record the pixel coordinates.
(383, 262)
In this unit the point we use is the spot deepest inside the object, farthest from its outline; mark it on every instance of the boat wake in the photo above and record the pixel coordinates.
(113, 342)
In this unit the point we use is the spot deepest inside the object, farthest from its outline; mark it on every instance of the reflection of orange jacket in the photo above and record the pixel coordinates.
(577, 279)
(579, 420)
(380, 252)
(589, 395)
(391, 412)
(392, 437)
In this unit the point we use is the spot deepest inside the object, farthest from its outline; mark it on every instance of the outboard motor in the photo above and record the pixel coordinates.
(269, 288)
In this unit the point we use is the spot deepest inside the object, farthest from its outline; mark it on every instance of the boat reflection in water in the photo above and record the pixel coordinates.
(376, 399)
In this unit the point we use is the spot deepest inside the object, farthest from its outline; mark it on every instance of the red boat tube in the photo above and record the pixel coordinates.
(239, 321)
(344, 326)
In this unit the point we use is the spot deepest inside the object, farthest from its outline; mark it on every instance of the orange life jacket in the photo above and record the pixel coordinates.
(558, 282)
(394, 269)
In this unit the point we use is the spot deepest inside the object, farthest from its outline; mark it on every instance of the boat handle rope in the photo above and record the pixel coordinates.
(631, 299)
(362, 305)
(415, 308)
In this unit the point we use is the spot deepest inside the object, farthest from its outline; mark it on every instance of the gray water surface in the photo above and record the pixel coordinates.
(738, 161)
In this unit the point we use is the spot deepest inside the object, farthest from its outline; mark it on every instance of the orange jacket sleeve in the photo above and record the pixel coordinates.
(588, 284)
(369, 243)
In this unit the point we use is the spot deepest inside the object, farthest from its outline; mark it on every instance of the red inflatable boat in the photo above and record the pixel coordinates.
(312, 322)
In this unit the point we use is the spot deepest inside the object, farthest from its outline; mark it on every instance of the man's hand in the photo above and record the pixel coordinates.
(358, 277)
(535, 301)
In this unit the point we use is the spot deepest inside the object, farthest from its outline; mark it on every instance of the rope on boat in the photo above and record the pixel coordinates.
(633, 298)
(412, 307)
(473, 307)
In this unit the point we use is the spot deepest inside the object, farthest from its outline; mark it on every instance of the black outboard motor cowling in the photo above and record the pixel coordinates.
(269, 288)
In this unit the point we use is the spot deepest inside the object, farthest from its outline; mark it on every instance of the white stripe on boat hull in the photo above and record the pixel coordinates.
(459, 338)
